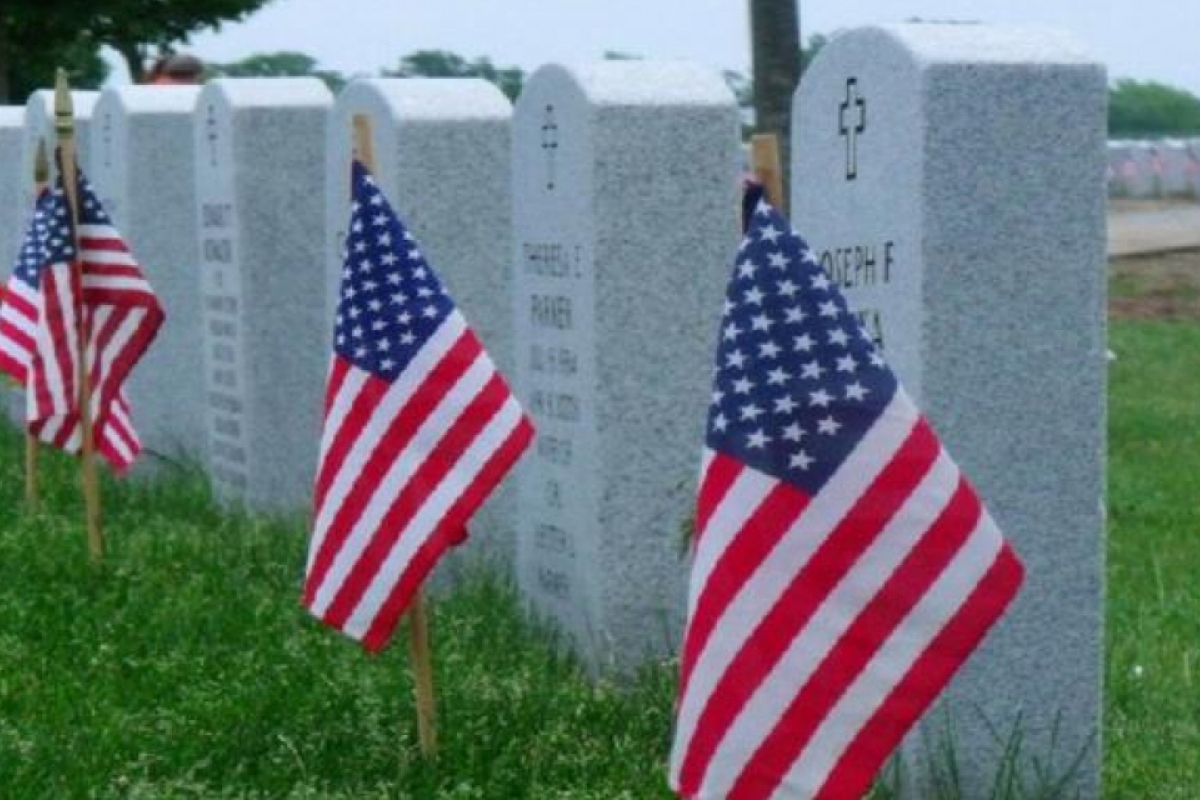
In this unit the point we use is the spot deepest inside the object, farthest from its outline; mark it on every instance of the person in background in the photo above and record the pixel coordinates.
(177, 69)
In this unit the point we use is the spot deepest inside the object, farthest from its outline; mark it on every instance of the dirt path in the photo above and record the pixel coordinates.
(1162, 286)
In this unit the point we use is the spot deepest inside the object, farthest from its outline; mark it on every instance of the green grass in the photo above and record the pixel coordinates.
(187, 670)
(1152, 724)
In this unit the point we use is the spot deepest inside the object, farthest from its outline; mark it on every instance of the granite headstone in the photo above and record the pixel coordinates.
(141, 166)
(441, 151)
(14, 218)
(260, 179)
(625, 220)
(951, 180)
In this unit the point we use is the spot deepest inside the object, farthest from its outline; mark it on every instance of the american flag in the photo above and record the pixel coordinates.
(843, 567)
(419, 429)
(40, 314)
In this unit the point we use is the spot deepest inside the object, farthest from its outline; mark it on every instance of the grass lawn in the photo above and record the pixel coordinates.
(1152, 725)
(188, 670)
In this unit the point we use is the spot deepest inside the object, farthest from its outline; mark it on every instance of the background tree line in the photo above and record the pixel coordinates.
(38, 35)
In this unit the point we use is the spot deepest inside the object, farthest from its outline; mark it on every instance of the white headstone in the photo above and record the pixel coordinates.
(442, 158)
(141, 166)
(1174, 154)
(951, 178)
(1147, 172)
(625, 218)
(260, 180)
(14, 217)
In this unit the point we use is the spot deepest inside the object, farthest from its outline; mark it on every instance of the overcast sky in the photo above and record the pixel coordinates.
(1147, 39)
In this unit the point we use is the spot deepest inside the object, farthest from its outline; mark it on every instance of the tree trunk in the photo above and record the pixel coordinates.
(775, 44)
(134, 59)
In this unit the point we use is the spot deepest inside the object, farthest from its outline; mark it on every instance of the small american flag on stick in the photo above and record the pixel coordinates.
(419, 429)
(41, 313)
(843, 569)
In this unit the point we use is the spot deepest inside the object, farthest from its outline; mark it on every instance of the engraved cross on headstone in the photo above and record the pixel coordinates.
(211, 127)
(550, 144)
(106, 135)
(857, 105)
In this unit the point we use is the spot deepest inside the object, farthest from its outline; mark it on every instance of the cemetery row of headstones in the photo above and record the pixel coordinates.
(949, 177)
(1154, 169)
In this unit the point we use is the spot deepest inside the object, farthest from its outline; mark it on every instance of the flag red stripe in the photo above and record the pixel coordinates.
(417, 488)
(105, 243)
(803, 596)
(721, 473)
(924, 680)
(400, 431)
(337, 376)
(858, 645)
(426, 557)
(739, 561)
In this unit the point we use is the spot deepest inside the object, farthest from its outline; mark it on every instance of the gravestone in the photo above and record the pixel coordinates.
(442, 158)
(625, 214)
(1121, 169)
(14, 217)
(260, 172)
(1193, 168)
(39, 125)
(1144, 181)
(951, 180)
(1174, 156)
(141, 167)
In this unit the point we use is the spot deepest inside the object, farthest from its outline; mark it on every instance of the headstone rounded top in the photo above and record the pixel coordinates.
(930, 43)
(433, 98)
(636, 82)
(153, 99)
(273, 92)
(43, 100)
(12, 116)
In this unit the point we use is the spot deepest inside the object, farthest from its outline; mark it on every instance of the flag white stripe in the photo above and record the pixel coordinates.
(18, 354)
(115, 283)
(945, 598)
(840, 609)
(396, 397)
(109, 258)
(761, 591)
(55, 380)
(431, 513)
(383, 494)
(742, 499)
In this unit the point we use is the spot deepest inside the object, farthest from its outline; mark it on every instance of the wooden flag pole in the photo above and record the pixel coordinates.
(764, 161)
(419, 653)
(41, 177)
(64, 127)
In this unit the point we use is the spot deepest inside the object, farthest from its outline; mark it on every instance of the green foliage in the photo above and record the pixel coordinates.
(34, 67)
(1151, 109)
(282, 64)
(444, 64)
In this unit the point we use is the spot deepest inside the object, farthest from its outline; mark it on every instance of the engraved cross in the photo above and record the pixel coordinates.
(211, 127)
(550, 145)
(850, 131)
